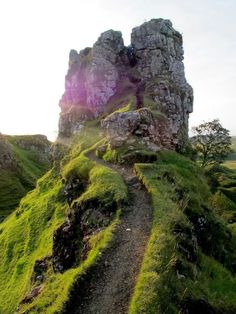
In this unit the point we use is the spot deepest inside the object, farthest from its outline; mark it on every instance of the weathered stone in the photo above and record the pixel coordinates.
(120, 125)
(120, 128)
(160, 55)
(91, 81)
(99, 74)
(104, 72)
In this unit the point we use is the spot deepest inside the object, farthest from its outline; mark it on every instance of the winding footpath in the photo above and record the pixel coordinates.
(110, 284)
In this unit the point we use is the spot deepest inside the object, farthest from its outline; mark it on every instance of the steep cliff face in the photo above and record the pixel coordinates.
(149, 73)
(92, 79)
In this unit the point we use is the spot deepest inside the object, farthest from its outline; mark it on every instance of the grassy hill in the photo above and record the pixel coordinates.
(23, 159)
(189, 263)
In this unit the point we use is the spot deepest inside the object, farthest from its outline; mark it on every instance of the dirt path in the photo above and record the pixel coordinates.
(111, 282)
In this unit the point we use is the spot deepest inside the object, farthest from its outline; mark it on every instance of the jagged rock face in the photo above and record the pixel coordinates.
(96, 75)
(160, 64)
(91, 81)
(104, 72)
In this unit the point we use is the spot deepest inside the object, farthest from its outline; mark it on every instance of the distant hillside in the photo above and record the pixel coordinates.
(23, 159)
(231, 160)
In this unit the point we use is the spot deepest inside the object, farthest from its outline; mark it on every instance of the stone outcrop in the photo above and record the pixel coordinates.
(160, 64)
(140, 125)
(152, 67)
(92, 79)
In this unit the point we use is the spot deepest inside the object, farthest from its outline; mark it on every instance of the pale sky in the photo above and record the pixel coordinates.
(37, 35)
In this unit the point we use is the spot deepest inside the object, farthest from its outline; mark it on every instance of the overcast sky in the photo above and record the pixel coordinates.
(37, 35)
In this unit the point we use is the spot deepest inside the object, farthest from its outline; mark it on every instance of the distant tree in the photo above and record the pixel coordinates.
(212, 142)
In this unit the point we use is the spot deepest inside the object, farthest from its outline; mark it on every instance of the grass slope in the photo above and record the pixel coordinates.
(30, 160)
(190, 255)
(27, 235)
(184, 263)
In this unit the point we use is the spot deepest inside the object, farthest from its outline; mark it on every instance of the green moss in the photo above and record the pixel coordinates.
(11, 191)
(105, 185)
(26, 236)
(110, 155)
(128, 107)
(78, 167)
(128, 154)
(89, 135)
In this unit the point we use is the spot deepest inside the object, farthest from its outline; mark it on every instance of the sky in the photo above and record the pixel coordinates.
(37, 35)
